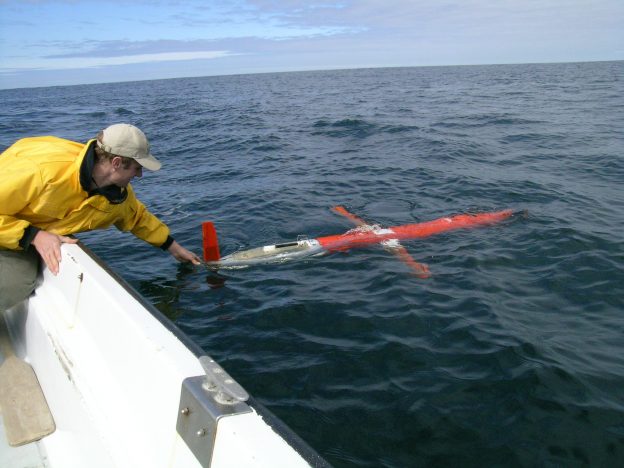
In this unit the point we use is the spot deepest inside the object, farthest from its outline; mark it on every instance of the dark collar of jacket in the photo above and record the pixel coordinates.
(114, 194)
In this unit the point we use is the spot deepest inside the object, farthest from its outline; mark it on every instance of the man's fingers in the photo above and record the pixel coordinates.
(189, 257)
(68, 240)
(54, 258)
(193, 258)
(52, 262)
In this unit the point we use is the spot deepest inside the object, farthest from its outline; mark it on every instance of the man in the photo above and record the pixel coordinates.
(51, 187)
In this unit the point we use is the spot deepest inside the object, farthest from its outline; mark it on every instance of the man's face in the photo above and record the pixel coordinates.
(123, 175)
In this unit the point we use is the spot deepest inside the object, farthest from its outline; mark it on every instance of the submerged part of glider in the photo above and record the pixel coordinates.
(271, 253)
(361, 236)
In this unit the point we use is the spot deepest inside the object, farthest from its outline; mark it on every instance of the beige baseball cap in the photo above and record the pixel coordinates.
(127, 140)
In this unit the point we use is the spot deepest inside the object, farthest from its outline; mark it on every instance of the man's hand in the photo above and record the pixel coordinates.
(49, 247)
(183, 255)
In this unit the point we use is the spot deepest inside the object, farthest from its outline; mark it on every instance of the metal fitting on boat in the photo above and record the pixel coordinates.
(204, 400)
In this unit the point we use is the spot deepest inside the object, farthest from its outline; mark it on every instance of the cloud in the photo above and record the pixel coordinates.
(124, 48)
(68, 62)
(411, 18)
(47, 37)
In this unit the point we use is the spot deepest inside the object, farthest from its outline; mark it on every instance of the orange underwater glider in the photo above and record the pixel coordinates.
(363, 235)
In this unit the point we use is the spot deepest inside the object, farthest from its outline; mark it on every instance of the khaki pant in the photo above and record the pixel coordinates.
(18, 276)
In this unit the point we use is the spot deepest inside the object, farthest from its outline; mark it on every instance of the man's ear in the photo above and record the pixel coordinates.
(116, 162)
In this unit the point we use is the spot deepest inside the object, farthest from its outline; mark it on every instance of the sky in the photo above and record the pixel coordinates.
(66, 42)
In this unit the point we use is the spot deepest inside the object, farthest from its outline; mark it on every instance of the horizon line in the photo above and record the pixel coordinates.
(304, 70)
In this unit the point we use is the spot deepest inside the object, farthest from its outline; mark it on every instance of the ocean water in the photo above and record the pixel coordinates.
(510, 354)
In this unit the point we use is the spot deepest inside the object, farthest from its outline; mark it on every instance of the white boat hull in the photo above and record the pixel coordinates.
(112, 367)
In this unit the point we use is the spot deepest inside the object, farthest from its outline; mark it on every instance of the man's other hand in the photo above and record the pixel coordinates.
(49, 247)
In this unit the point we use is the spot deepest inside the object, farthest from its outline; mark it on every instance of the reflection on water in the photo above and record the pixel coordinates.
(215, 281)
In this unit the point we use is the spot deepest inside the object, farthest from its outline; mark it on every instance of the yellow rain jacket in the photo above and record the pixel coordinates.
(40, 186)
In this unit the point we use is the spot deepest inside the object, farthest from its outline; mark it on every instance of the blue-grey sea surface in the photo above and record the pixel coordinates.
(510, 354)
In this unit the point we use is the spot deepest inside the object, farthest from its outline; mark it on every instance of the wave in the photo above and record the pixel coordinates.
(123, 111)
(358, 128)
